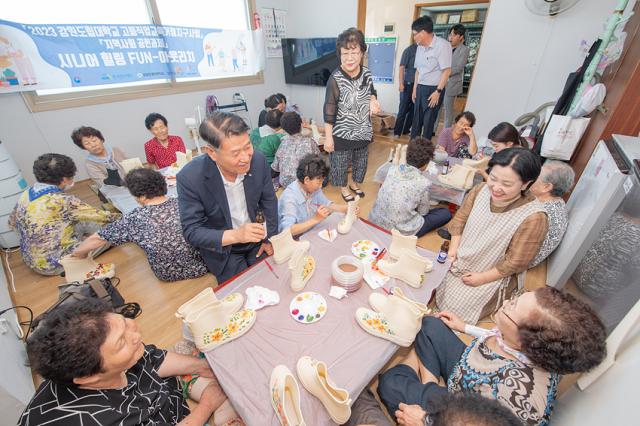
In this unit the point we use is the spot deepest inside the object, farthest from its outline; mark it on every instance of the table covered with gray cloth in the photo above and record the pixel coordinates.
(353, 357)
(122, 199)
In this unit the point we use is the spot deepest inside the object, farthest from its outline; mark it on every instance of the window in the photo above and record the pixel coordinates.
(222, 14)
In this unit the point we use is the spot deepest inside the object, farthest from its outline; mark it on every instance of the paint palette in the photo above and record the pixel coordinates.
(365, 250)
(308, 307)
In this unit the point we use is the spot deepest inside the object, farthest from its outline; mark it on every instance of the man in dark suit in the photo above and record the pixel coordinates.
(459, 59)
(219, 194)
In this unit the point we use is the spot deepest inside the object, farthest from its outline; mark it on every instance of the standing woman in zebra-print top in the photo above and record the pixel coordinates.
(348, 105)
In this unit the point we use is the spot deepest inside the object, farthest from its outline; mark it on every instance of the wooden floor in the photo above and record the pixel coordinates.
(159, 300)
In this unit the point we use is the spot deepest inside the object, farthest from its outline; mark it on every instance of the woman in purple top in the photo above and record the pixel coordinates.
(459, 140)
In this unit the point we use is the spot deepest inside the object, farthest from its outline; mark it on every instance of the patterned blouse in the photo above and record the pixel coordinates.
(292, 149)
(147, 399)
(402, 201)
(527, 391)
(558, 221)
(346, 107)
(156, 229)
(47, 228)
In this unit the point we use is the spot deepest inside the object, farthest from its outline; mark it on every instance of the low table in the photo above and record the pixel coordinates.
(443, 192)
(353, 357)
(122, 199)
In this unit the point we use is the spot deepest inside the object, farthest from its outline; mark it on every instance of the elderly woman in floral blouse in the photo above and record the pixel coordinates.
(538, 337)
(556, 179)
(50, 222)
(403, 199)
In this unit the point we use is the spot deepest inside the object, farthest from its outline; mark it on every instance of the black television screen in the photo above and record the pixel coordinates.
(309, 61)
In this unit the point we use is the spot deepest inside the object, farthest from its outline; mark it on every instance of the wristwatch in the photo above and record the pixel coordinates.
(439, 90)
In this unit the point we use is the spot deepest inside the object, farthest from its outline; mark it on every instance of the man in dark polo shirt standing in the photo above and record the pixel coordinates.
(406, 77)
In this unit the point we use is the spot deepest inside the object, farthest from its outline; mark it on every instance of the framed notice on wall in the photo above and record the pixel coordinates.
(381, 53)
(274, 27)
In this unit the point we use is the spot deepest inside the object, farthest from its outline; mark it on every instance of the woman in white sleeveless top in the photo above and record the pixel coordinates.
(495, 235)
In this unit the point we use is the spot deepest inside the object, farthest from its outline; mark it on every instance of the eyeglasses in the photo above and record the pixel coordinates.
(511, 304)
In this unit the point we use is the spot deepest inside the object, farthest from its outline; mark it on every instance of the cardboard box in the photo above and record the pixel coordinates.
(383, 122)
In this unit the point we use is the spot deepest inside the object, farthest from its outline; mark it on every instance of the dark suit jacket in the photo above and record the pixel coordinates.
(204, 210)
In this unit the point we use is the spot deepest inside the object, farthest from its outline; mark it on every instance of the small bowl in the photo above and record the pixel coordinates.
(351, 278)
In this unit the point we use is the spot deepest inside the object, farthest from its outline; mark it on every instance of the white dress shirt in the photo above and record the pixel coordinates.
(237, 200)
(432, 60)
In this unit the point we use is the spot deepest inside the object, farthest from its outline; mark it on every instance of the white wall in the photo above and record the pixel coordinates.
(311, 18)
(610, 399)
(26, 134)
(524, 59)
(16, 384)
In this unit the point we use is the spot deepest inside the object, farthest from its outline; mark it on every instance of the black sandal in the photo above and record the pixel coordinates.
(347, 198)
(358, 192)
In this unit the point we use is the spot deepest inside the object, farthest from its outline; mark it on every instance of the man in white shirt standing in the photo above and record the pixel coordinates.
(220, 194)
(433, 67)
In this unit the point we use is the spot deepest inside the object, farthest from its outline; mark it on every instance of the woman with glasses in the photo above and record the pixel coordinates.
(349, 102)
(495, 235)
(538, 337)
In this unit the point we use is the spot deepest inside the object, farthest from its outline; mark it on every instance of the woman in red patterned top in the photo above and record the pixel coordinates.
(161, 150)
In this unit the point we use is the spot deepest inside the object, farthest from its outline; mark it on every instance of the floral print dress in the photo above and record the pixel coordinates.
(48, 228)
(402, 201)
(157, 230)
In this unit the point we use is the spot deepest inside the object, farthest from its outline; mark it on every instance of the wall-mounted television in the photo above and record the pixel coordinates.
(309, 61)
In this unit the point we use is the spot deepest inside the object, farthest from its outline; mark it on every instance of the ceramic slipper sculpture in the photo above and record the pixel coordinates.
(396, 154)
(480, 164)
(83, 269)
(459, 176)
(285, 397)
(220, 322)
(284, 245)
(392, 152)
(381, 302)
(314, 376)
(403, 155)
(345, 224)
(398, 318)
(197, 302)
(399, 242)
(302, 268)
(410, 268)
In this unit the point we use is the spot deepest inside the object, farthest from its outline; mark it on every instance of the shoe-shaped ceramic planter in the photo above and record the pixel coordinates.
(459, 176)
(314, 377)
(403, 155)
(398, 320)
(410, 268)
(83, 269)
(344, 227)
(302, 268)
(285, 397)
(284, 245)
(396, 154)
(400, 242)
(229, 305)
(196, 303)
(382, 303)
(480, 164)
(219, 323)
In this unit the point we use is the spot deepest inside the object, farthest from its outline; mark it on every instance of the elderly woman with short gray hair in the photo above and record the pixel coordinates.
(556, 179)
